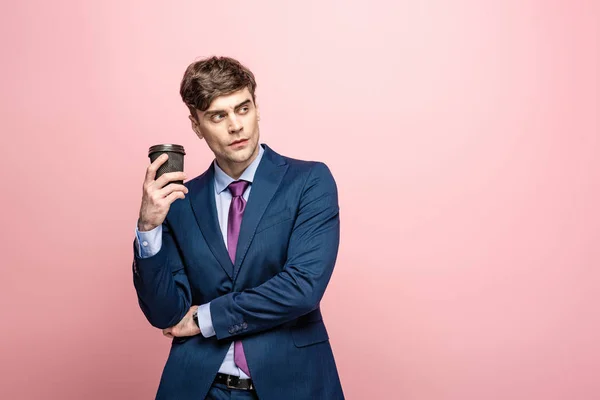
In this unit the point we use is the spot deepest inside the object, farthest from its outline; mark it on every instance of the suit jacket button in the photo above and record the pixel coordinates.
(244, 326)
(231, 330)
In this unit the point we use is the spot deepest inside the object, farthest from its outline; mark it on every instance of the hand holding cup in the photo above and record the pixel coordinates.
(159, 193)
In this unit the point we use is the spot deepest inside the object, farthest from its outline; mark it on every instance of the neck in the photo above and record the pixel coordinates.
(235, 170)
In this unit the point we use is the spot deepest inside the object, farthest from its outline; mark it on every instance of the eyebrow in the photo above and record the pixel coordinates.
(214, 112)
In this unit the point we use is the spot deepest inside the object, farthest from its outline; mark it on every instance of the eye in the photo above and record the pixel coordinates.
(218, 117)
(244, 110)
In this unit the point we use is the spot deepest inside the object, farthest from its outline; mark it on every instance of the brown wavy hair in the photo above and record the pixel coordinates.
(206, 79)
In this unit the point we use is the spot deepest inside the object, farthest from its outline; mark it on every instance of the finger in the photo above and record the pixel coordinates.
(174, 196)
(170, 188)
(152, 168)
(164, 179)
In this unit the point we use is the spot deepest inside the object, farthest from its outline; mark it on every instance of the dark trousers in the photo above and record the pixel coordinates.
(220, 392)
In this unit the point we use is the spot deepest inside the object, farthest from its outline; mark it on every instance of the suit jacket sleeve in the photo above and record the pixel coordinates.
(299, 287)
(162, 287)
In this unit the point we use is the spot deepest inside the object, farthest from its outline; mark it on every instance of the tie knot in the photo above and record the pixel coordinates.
(238, 188)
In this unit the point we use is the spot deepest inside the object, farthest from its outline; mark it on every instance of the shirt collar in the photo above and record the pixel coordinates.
(222, 180)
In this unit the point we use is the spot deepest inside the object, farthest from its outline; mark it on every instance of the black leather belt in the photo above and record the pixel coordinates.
(234, 382)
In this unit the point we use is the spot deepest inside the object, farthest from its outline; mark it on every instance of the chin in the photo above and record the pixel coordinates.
(247, 152)
(241, 156)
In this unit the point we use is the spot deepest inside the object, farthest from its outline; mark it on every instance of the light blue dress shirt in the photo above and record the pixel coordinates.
(149, 243)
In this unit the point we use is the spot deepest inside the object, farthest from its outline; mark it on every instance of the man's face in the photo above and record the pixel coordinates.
(230, 128)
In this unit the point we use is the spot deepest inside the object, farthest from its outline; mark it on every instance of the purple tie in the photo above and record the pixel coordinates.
(236, 212)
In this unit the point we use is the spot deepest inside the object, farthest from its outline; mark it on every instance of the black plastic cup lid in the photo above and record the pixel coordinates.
(176, 148)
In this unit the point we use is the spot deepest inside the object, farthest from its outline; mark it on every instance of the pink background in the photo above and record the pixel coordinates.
(476, 122)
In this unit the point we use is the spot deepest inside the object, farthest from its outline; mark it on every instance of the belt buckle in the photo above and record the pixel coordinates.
(237, 380)
(229, 386)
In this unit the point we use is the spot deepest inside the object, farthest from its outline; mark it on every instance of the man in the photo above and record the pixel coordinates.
(235, 270)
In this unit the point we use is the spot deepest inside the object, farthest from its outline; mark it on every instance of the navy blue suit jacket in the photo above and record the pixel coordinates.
(269, 298)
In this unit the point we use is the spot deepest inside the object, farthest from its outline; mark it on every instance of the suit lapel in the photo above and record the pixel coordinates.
(202, 199)
(267, 179)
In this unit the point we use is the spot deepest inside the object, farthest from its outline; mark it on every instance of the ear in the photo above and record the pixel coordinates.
(257, 113)
(196, 127)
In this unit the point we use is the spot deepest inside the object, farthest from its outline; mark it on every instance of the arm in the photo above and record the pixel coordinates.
(297, 289)
(161, 284)
(160, 281)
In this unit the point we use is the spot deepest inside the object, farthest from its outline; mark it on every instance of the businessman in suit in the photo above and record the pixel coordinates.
(233, 264)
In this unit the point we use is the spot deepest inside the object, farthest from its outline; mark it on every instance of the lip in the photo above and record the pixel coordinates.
(242, 141)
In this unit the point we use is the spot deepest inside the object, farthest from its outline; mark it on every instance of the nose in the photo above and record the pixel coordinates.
(235, 125)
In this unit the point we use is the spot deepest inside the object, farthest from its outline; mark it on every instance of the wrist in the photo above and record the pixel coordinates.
(144, 227)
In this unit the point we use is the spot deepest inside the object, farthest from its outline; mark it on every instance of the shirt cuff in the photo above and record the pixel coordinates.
(205, 321)
(148, 243)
